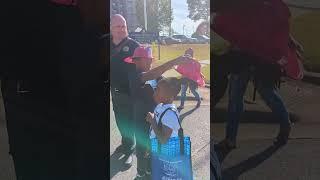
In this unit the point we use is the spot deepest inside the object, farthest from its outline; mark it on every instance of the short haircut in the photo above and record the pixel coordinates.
(172, 85)
(117, 17)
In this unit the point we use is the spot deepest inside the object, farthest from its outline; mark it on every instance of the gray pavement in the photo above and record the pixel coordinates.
(6, 164)
(255, 158)
(196, 124)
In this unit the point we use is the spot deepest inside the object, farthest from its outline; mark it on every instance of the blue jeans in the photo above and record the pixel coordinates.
(237, 86)
(184, 88)
(215, 165)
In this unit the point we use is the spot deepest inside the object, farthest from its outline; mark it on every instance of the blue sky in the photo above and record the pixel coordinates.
(180, 18)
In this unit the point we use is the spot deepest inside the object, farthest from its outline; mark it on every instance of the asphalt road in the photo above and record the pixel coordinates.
(255, 158)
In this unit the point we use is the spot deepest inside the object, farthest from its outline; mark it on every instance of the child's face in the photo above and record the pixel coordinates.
(143, 64)
(161, 95)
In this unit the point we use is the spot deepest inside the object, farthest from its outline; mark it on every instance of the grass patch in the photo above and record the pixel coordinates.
(169, 52)
(306, 29)
(206, 72)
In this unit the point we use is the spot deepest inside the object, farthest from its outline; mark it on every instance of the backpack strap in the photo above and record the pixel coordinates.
(172, 109)
(180, 131)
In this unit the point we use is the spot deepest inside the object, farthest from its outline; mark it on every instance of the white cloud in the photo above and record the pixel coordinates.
(180, 18)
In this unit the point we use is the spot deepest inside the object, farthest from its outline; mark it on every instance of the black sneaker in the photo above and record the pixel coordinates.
(120, 149)
(123, 149)
(128, 162)
(148, 175)
(283, 136)
(141, 177)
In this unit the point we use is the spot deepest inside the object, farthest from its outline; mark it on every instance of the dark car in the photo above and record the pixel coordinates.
(170, 40)
(161, 39)
(203, 39)
(185, 39)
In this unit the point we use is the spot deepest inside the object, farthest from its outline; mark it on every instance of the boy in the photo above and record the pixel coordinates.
(142, 83)
(167, 90)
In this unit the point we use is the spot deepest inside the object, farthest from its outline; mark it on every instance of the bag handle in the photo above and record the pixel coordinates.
(180, 131)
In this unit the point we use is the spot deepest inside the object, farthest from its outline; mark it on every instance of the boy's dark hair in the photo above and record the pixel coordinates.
(173, 85)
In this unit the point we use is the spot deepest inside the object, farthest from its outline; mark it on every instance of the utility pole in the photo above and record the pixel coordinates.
(170, 29)
(145, 15)
(183, 28)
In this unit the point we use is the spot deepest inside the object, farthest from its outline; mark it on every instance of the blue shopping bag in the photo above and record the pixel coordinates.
(172, 160)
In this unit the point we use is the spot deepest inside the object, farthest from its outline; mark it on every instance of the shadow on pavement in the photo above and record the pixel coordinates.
(188, 98)
(182, 116)
(116, 164)
(234, 172)
(220, 115)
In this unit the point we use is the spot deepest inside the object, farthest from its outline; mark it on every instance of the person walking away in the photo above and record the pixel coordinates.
(189, 82)
(221, 58)
(265, 78)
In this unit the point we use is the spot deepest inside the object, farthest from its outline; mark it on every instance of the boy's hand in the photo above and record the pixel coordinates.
(202, 76)
(149, 117)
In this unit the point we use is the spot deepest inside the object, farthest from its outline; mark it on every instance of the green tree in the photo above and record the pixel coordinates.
(199, 9)
(159, 14)
(166, 13)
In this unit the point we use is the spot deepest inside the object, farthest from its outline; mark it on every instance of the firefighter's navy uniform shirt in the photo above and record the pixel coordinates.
(118, 68)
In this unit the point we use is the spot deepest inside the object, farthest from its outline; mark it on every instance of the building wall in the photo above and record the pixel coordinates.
(127, 8)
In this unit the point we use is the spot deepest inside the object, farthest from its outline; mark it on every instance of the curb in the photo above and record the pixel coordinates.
(303, 7)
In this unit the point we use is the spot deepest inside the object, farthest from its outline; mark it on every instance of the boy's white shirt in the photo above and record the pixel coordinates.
(153, 83)
(169, 119)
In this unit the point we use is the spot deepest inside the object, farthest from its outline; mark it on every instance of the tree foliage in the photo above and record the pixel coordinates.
(159, 14)
(199, 9)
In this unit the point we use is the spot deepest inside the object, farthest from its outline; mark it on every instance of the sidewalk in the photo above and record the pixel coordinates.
(6, 163)
(255, 158)
(304, 3)
(196, 124)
